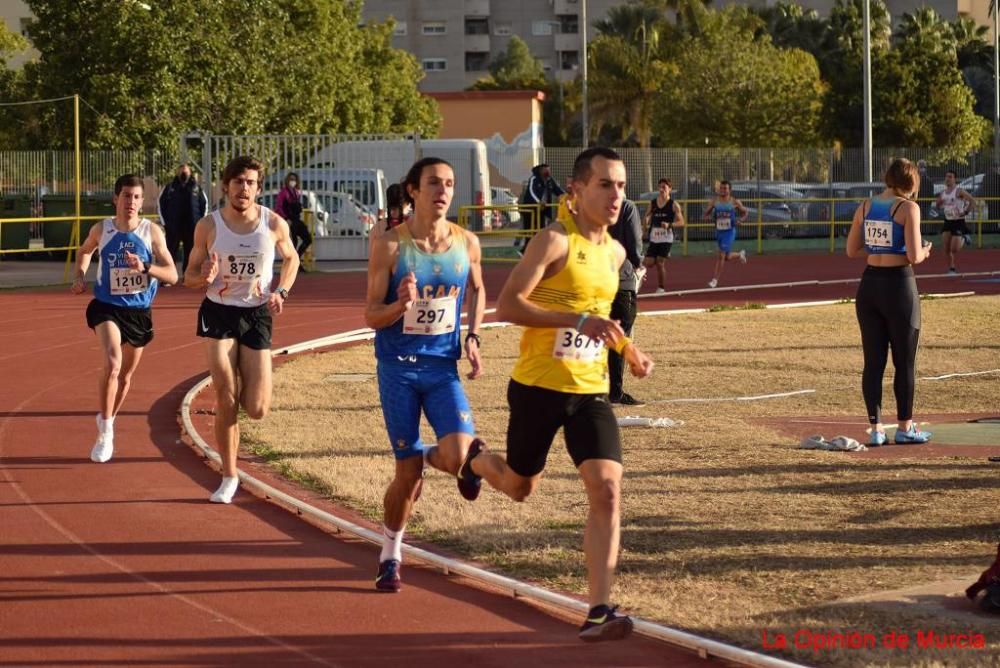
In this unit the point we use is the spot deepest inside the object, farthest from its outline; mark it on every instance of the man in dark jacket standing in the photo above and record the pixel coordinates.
(628, 232)
(182, 204)
(542, 189)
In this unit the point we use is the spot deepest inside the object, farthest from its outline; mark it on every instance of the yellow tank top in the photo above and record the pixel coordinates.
(562, 359)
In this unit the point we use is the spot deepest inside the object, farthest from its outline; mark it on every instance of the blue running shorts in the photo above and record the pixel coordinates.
(725, 239)
(410, 384)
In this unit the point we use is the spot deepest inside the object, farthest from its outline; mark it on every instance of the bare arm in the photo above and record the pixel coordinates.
(968, 198)
(741, 210)
(289, 263)
(547, 249)
(475, 294)
(163, 268)
(199, 272)
(916, 252)
(378, 314)
(708, 211)
(84, 254)
(855, 242)
(678, 215)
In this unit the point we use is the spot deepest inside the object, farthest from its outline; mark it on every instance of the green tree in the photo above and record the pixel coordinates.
(514, 69)
(757, 95)
(153, 71)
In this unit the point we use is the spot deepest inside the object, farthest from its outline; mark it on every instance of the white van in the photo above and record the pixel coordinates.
(394, 158)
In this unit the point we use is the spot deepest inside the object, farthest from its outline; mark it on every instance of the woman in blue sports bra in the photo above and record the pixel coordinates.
(886, 231)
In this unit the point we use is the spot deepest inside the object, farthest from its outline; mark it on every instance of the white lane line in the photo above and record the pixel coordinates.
(758, 397)
(960, 375)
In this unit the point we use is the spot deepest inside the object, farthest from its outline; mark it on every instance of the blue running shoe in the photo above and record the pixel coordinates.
(387, 579)
(912, 436)
(603, 624)
(878, 438)
(469, 483)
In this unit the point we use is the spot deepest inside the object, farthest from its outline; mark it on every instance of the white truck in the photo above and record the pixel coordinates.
(394, 158)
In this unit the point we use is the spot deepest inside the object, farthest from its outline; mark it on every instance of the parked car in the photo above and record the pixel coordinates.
(505, 197)
(337, 213)
(847, 196)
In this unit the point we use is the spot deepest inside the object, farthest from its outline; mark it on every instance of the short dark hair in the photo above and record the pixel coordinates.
(952, 172)
(412, 178)
(667, 181)
(128, 181)
(240, 164)
(582, 165)
(724, 182)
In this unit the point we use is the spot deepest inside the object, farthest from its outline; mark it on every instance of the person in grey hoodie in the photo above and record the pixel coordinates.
(628, 232)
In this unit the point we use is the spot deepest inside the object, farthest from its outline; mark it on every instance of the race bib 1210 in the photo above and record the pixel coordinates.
(127, 281)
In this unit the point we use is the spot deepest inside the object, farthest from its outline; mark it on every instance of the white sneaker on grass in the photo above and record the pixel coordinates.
(226, 490)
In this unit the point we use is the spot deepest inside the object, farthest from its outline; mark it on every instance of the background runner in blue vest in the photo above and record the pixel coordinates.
(725, 212)
(417, 278)
(662, 215)
(132, 260)
(233, 261)
(886, 232)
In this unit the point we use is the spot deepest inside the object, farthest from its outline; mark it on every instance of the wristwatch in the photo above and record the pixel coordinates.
(283, 292)
(475, 337)
(145, 267)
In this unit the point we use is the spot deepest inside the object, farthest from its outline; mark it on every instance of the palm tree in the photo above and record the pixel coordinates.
(971, 43)
(926, 28)
(628, 66)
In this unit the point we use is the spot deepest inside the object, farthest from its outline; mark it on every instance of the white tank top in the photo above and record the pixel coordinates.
(952, 205)
(246, 263)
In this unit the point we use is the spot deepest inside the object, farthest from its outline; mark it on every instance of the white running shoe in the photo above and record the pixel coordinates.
(103, 449)
(660, 291)
(743, 256)
(226, 490)
(712, 283)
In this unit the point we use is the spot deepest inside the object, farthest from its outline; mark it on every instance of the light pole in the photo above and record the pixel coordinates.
(867, 74)
(996, 81)
(583, 71)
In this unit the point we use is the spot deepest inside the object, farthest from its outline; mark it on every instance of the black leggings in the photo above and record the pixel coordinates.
(888, 309)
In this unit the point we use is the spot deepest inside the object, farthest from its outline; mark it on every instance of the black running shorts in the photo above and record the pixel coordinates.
(249, 325)
(956, 227)
(659, 250)
(536, 414)
(135, 324)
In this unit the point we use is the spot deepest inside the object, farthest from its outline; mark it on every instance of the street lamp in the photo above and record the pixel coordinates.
(583, 71)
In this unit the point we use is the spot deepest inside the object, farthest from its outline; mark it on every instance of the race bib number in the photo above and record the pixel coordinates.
(954, 212)
(878, 233)
(573, 345)
(661, 235)
(430, 317)
(125, 281)
(723, 222)
(241, 268)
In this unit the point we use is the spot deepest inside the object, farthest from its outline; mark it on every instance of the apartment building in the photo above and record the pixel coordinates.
(455, 40)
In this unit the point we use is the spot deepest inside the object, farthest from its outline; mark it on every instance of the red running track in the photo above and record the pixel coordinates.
(127, 563)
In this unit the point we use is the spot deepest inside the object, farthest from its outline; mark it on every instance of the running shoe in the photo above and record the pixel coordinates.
(103, 449)
(912, 436)
(712, 283)
(387, 579)
(878, 438)
(743, 256)
(603, 624)
(469, 483)
(627, 399)
(660, 291)
(952, 270)
(968, 239)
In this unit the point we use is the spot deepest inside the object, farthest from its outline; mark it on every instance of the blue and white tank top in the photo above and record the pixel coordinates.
(246, 263)
(724, 215)
(116, 283)
(432, 327)
(883, 235)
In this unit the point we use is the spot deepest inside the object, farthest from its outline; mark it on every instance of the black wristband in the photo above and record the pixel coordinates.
(475, 337)
(283, 293)
(145, 267)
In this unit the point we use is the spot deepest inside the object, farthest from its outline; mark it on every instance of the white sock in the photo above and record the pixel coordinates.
(226, 490)
(105, 425)
(392, 544)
